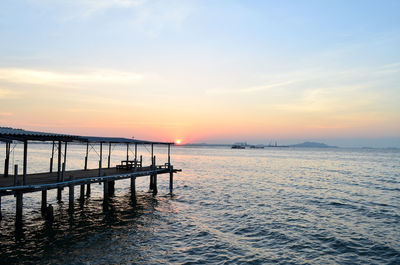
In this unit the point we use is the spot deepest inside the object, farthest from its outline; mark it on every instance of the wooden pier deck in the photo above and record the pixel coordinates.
(46, 178)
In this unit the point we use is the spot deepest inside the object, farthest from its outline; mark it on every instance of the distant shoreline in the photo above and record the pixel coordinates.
(294, 146)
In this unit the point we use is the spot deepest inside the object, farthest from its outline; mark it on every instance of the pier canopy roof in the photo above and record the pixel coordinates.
(8, 134)
(116, 140)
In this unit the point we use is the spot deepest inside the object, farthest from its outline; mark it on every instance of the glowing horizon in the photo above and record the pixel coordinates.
(202, 72)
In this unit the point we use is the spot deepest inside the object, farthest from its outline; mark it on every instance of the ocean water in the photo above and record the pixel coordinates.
(266, 206)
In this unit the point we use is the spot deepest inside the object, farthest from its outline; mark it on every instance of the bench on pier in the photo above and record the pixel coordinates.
(129, 164)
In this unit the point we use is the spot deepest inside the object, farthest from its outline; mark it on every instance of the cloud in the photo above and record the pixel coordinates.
(9, 94)
(88, 8)
(249, 89)
(53, 78)
(147, 17)
(316, 78)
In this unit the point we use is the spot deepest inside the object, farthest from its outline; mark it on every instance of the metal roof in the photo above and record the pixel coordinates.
(9, 134)
(96, 139)
(21, 135)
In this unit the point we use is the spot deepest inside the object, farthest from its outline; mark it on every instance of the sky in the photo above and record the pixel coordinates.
(203, 71)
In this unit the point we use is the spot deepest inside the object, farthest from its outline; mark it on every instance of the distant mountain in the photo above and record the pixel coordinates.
(313, 145)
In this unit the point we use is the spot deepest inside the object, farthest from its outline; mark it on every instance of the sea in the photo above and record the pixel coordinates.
(229, 206)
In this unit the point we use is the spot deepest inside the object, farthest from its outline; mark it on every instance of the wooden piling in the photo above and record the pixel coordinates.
(44, 201)
(87, 155)
(52, 158)
(101, 158)
(169, 154)
(25, 161)
(50, 213)
(82, 193)
(65, 154)
(19, 205)
(127, 151)
(171, 179)
(111, 187)
(133, 186)
(155, 190)
(51, 165)
(15, 175)
(63, 172)
(100, 168)
(88, 190)
(151, 185)
(109, 155)
(136, 156)
(1, 215)
(59, 194)
(105, 189)
(61, 175)
(7, 160)
(71, 197)
(64, 164)
(59, 162)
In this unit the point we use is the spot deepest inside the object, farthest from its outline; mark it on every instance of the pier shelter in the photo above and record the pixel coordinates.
(57, 177)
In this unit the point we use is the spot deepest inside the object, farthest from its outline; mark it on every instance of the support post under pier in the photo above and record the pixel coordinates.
(151, 185)
(133, 186)
(25, 162)
(109, 155)
(100, 168)
(19, 205)
(87, 155)
(82, 193)
(44, 201)
(171, 179)
(71, 198)
(105, 189)
(15, 175)
(52, 157)
(111, 187)
(88, 190)
(7, 160)
(155, 190)
(59, 194)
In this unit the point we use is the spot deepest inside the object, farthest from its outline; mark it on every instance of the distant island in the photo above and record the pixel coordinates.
(313, 145)
(244, 145)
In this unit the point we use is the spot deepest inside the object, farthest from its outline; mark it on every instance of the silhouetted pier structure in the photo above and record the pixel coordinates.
(60, 178)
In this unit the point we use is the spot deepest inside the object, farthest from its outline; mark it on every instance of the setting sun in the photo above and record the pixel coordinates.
(178, 141)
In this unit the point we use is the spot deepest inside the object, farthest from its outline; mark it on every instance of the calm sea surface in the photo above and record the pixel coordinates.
(267, 206)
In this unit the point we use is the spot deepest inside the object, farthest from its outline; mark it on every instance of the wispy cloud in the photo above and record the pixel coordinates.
(88, 8)
(52, 78)
(316, 79)
(147, 17)
(249, 89)
(9, 94)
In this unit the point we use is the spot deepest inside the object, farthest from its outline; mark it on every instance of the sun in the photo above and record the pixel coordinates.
(178, 141)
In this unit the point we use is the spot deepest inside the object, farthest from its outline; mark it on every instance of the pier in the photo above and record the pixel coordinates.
(59, 178)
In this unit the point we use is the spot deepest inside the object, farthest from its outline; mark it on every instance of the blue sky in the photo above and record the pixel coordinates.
(206, 71)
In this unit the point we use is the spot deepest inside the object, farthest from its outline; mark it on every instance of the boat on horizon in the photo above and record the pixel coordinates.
(239, 146)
